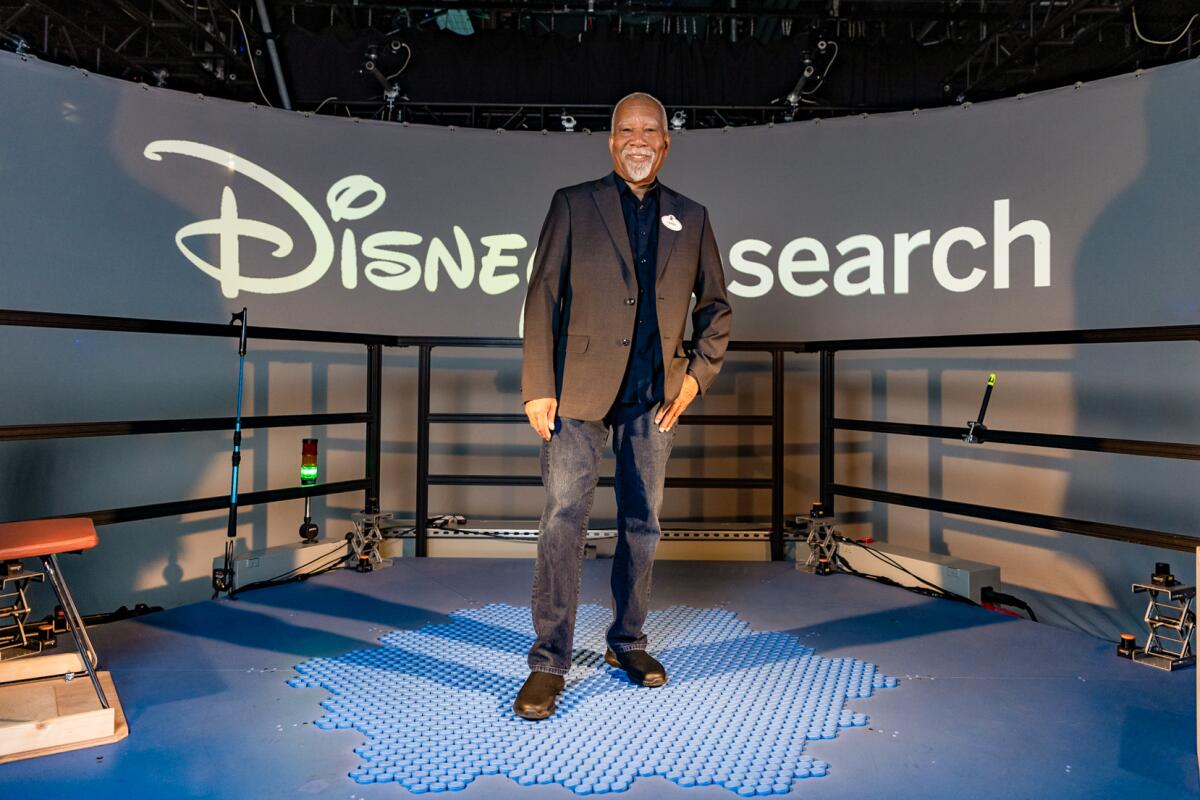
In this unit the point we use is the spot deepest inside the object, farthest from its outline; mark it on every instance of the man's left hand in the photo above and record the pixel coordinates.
(667, 416)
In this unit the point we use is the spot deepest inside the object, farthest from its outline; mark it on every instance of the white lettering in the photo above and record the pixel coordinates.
(495, 259)
(1038, 233)
(460, 273)
(872, 262)
(738, 260)
(905, 245)
(392, 270)
(790, 266)
(941, 264)
(349, 260)
(228, 227)
(341, 196)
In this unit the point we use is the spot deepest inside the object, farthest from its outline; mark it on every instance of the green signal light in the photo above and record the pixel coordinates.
(308, 474)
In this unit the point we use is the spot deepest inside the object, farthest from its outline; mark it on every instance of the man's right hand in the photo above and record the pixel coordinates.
(541, 415)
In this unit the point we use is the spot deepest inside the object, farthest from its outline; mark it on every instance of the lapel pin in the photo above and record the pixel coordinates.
(672, 223)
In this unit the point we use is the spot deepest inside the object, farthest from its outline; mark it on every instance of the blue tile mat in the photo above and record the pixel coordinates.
(435, 704)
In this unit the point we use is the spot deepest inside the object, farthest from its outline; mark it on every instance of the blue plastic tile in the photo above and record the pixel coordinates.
(436, 705)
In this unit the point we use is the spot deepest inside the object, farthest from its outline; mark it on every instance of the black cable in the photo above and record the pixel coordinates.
(990, 595)
(934, 590)
(293, 579)
(289, 576)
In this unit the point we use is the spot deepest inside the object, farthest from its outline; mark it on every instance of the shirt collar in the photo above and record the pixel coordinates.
(623, 187)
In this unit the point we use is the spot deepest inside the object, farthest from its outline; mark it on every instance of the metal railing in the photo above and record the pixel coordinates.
(371, 417)
(368, 484)
(829, 424)
(426, 418)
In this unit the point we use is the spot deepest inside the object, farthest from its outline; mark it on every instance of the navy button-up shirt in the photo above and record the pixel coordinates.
(643, 382)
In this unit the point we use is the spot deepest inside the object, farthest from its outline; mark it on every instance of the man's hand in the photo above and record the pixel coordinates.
(541, 415)
(666, 417)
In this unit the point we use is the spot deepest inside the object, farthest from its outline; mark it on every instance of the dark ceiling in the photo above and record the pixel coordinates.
(499, 63)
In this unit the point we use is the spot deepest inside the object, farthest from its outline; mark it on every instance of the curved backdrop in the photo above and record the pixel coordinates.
(1069, 208)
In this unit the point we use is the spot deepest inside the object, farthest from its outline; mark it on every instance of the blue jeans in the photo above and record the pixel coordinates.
(570, 471)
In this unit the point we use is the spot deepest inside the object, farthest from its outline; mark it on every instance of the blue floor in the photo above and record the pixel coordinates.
(986, 705)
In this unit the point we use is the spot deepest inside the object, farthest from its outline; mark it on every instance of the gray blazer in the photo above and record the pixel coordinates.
(581, 305)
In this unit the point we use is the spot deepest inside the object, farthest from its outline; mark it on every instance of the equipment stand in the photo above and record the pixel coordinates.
(822, 542)
(1172, 623)
(365, 539)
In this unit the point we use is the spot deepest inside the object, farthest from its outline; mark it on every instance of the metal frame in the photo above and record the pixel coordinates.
(426, 418)
(369, 484)
(829, 424)
(83, 642)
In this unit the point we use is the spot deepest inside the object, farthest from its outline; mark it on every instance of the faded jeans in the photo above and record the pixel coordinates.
(570, 471)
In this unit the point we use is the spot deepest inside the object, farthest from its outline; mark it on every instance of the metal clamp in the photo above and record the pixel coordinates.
(976, 430)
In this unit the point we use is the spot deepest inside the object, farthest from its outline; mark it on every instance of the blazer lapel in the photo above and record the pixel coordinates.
(609, 202)
(666, 236)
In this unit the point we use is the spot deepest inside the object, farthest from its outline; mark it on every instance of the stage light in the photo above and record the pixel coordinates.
(308, 462)
(568, 122)
(678, 120)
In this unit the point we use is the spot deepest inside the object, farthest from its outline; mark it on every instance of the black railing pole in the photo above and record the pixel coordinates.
(827, 431)
(374, 427)
(777, 481)
(423, 370)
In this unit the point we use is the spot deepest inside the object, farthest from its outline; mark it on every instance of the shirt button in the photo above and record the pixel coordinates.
(625, 342)
(629, 301)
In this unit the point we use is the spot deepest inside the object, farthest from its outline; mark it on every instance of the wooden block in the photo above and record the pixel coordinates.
(54, 716)
(30, 667)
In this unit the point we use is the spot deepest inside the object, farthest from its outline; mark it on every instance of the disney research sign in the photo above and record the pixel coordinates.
(392, 260)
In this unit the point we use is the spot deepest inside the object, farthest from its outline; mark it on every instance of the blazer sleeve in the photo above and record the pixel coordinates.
(543, 301)
(712, 317)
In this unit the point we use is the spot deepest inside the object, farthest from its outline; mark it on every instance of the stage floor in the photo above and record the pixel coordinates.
(987, 706)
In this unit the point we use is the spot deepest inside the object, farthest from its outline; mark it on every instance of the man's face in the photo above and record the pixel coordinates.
(638, 141)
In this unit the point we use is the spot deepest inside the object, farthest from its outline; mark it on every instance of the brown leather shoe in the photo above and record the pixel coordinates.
(640, 666)
(536, 698)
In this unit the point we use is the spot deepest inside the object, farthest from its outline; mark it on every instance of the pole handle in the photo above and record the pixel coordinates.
(240, 316)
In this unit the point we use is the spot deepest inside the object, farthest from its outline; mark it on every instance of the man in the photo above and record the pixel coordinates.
(617, 263)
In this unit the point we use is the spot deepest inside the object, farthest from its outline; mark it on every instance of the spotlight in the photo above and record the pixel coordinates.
(568, 122)
(678, 120)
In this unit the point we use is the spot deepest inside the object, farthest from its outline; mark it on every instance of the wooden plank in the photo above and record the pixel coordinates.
(54, 664)
(80, 723)
(21, 708)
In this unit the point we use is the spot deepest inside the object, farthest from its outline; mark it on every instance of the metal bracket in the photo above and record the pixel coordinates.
(976, 430)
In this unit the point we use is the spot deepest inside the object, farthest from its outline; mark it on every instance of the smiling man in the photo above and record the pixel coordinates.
(618, 261)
